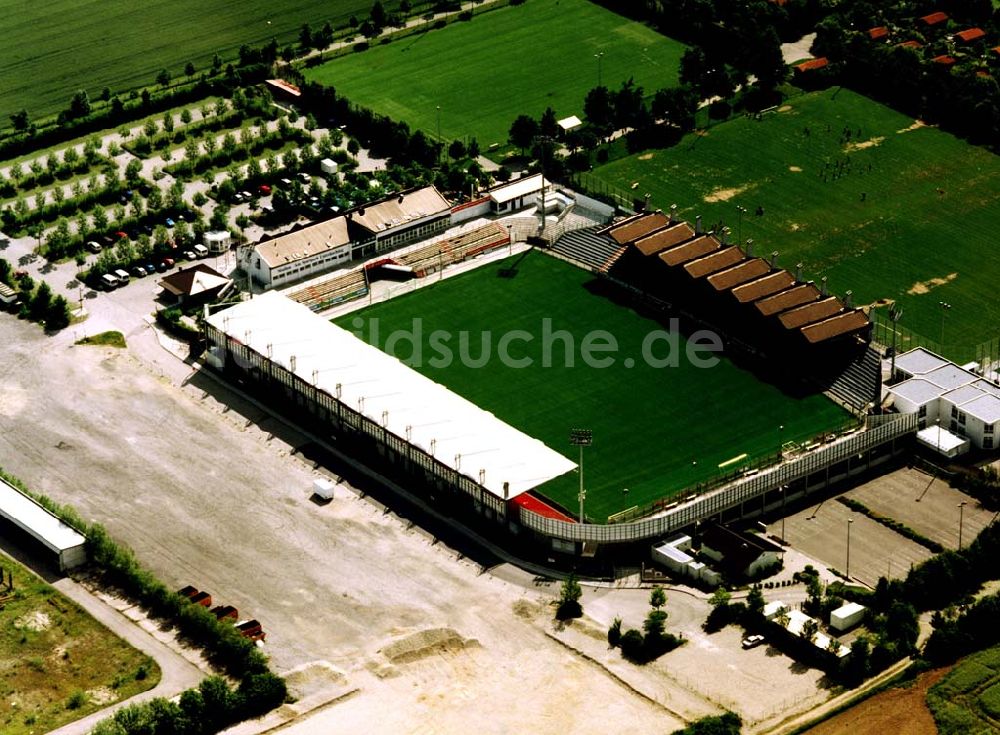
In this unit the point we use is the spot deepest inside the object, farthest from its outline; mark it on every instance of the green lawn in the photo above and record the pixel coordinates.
(912, 219)
(506, 62)
(967, 700)
(656, 430)
(54, 48)
(58, 664)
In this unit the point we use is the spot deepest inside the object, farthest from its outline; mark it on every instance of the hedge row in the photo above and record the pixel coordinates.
(901, 528)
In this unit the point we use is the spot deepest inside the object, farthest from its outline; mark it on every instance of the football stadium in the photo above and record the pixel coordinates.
(605, 384)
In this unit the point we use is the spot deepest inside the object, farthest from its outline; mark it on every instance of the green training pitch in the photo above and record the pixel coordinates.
(898, 212)
(656, 430)
(967, 699)
(50, 50)
(505, 62)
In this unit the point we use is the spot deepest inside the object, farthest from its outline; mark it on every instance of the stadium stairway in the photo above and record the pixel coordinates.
(587, 247)
(860, 383)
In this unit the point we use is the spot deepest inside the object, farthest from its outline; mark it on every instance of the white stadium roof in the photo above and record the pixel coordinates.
(466, 438)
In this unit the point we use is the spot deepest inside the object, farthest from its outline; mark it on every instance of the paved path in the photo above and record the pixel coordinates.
(177, 673)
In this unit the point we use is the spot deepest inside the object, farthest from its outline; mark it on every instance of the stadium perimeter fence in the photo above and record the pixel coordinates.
(858, 446)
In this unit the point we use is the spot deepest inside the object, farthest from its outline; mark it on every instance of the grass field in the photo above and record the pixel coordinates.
(656, 430)
(52, 49)
(58, 664)
(967, 700)
(911, 217)
(506, 62)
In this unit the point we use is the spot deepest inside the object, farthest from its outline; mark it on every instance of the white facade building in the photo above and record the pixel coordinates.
(944, 394)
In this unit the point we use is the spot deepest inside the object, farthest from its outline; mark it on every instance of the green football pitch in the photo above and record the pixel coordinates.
(657, 430)
(486, 72)
(895, 212)
(52, 49)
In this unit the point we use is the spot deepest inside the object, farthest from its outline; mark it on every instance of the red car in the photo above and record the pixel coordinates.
(121, 235)
(169, 262)
(264, 189)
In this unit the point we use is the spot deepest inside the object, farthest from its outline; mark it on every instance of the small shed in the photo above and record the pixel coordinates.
(218, 241)
(847, 616)
(569, 124)
(328, 166)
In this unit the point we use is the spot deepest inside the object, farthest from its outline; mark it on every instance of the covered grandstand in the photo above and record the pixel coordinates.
(360, 388)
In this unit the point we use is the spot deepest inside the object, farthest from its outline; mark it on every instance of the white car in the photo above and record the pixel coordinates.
(753, 641)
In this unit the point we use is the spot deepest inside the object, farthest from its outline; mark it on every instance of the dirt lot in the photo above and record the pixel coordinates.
(926, 504)
(897, 711)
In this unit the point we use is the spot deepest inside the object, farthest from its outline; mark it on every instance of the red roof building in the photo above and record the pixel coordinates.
(970, 34)
(811, 65)
(910, 44)
(878, 32)
(944, 60)
(934, 18)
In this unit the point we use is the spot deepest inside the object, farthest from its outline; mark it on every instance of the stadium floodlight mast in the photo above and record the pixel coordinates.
(895, 314)
(581, 438)
(599, 55)
(961, 510)
(740, 211)
(847, 572)
(944, 310)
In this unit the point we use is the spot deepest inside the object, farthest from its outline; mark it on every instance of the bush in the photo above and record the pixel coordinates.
(615, 633)
(632, 644)
(726, 724)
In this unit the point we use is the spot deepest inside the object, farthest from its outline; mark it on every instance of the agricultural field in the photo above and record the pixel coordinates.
(656, 431)
(878, 203)
(505, 62)
(58, 664)
(967, 700)
(53, 49)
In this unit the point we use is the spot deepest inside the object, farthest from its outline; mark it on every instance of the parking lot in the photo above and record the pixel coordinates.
(926, 504)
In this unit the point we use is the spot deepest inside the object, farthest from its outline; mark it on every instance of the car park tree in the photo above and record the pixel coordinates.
(569, 599)
(163, 78)
(79, 105)
(20, 120)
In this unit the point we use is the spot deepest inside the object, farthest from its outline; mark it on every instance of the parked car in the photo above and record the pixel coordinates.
(169, 222)
(139, 272)
(94, 246)
(121, 235)
(200, 250)
(161, 266)
(150, 269)
(304, 177)
(264, 189)
(189, 255)
(169, 262)
(752, 641)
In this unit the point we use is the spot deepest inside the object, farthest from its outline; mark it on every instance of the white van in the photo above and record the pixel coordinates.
(109, 282)
(200, 250)
(122, 276)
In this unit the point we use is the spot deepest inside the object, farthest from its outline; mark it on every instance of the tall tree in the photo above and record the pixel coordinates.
(523, 131)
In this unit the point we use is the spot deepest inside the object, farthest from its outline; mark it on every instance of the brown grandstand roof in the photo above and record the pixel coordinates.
(746, 271)
(944, 59)
(878, 32)
(635, 227)
(718, 260)
(764, 286)
(796, 296)
(305, 243)
(934, 18)
(665, 238)
(970, 34)
(812, 312)
(910, 44)
(837, 326)
(690, 250)
(812, 64)
(400, 209)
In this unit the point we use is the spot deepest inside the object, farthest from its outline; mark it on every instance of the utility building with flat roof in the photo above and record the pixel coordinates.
(65, 542)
